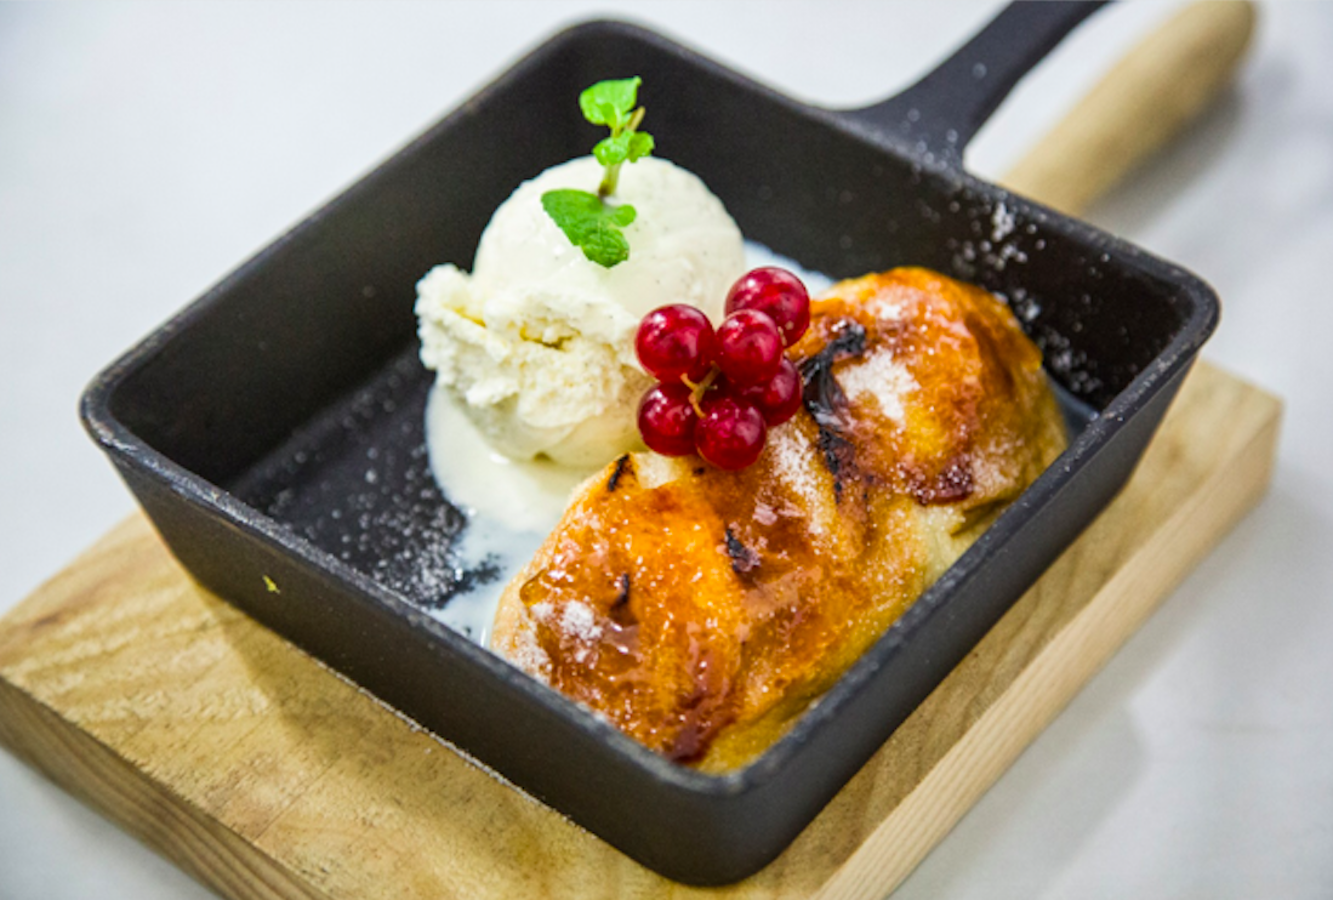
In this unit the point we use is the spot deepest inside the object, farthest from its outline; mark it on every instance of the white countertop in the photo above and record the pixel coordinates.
(145, 150)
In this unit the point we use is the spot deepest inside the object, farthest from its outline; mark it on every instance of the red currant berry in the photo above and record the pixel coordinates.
(675, 340)
(749, 347)
(779, 294)
(731, 433)
(667, 419)
(779, 399)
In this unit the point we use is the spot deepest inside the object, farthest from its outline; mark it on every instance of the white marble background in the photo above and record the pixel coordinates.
(145, 149)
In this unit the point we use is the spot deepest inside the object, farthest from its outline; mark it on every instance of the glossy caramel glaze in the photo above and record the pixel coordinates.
(701, 611)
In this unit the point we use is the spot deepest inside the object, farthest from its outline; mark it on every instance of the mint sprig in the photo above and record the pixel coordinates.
(587, 219)
(592, 224)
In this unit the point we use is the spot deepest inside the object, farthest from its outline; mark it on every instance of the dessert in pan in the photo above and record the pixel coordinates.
(273, 431)
(701, 609)
(813, 468)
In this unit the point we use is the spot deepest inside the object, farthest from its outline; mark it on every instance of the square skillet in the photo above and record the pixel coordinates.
(244, 425)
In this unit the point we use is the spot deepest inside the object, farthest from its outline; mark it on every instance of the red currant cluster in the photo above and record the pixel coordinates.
(721, 390)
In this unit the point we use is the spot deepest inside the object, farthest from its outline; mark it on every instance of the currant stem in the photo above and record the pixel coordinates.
(697, 391)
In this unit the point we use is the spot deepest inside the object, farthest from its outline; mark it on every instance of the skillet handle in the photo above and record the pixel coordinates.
(937, 116)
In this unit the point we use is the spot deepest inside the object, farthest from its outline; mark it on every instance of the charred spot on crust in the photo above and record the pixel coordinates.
(952, 484)
(822, 395)
(825, 400)
(619, 610)
(622, 591)
(837, 453)
(688, 745)
(743, 559)
(704, 713)
(619, 470)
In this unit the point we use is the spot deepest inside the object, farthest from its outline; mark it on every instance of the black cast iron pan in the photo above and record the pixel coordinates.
(243, 426)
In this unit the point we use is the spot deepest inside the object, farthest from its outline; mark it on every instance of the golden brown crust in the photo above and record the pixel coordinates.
(701, 611)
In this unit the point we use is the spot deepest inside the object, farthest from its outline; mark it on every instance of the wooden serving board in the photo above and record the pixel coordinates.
(265, 775)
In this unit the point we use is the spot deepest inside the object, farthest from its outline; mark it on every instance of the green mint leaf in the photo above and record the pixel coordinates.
(590, 224)
(610, 102)
(605, 245)
(613, 150)
(627, 146)
(568, 207)
(640, 145)
(598, 112)
(624, 215)
(610, 116)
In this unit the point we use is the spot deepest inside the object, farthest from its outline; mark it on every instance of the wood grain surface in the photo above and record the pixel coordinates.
(1152, 94)
(268, 776)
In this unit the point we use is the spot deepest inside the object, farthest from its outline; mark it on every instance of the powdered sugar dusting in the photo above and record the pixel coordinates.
(1002, 223)
(580, 620)
(880, 377)
(527, 653)
(793, 460)
(990, 474)
(995, 239)
(885, 310)
(574, 619)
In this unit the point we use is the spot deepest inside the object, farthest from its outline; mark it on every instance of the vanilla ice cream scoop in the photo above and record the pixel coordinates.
(536, 346)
